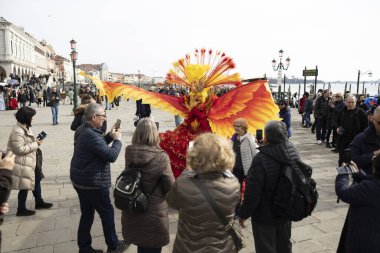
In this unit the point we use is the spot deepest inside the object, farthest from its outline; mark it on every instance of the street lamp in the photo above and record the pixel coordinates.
(280, 66)
(62, 74)
(368, 72)
(74, 57)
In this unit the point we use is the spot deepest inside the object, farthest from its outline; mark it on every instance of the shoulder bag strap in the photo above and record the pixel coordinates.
(218, 212)
(155, 187)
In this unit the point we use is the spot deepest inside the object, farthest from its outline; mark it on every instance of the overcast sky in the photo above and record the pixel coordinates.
(340, 36)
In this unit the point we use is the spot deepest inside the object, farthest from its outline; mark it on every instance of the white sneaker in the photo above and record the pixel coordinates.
(319, 141)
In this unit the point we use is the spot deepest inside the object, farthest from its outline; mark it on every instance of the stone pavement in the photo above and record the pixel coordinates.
(55, 230)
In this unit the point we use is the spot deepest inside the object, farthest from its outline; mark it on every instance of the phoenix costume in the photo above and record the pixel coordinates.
(201, 109)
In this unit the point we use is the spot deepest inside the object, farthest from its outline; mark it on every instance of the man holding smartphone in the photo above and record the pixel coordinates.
(91, 177)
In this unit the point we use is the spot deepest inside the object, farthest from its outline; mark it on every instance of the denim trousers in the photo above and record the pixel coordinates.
(306, 119)
(54, 112)
(90, 201)
(23, 195)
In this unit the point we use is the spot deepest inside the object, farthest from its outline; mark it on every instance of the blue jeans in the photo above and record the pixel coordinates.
(54, 111)
(306, 119)
(320, 128)
(148, 250)
(99, 200)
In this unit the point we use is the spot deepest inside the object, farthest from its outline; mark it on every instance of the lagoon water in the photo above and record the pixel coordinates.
(372, 87)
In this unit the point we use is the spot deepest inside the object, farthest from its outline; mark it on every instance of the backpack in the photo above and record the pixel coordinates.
(295, 196)
(129, 195)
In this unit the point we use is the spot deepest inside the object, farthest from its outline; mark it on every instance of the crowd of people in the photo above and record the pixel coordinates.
(241, 174)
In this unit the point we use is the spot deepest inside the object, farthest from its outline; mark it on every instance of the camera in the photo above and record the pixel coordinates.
(41, 135)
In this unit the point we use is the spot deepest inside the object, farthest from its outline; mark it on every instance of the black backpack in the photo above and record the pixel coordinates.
(129, 195)
(295, 196)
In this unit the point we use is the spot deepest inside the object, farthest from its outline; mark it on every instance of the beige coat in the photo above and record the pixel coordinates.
(199, 229)
(23, 144)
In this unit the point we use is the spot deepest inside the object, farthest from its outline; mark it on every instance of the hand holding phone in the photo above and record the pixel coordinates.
(117, 124)
(41, 136)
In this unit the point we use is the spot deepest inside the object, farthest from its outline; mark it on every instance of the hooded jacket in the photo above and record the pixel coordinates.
(262, 181)
(151, 228)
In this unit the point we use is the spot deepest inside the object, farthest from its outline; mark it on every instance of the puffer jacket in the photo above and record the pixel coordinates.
(321, 107)
(199, 229)
(262, 181)
(150, 229)
(23, 144)
(90, 165)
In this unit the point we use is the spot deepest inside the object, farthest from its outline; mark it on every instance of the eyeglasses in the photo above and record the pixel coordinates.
(101, 115)
(237, 126)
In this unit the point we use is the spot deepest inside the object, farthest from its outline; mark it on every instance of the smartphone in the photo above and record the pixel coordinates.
(3, 153)
(117, 125)
(347, 156)
(41, 135)
(259, 135)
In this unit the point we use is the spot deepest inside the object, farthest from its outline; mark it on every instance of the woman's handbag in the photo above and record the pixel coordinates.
(232, 229)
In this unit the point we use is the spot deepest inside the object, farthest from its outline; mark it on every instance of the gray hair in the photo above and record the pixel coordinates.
(351, 96)
(275, 132)
(146, 133)
(91, 110)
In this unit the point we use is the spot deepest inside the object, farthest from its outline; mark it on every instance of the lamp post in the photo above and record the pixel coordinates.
(280, 66)
(62, 79)
(368, 72)
(74, 57)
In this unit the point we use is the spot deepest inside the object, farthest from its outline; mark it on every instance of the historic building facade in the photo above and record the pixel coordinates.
(23, 55)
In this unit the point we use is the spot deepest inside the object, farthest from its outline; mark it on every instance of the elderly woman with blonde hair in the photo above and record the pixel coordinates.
(245, 148)
(210, 160)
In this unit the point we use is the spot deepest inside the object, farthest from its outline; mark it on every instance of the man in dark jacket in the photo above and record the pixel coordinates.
(22, 98)
(338, 107)
(367, 144)
(91, 177)
(54, 103)
(320, 114)
(351, 121)
(6, 166)
(271, 233)
(307, 110)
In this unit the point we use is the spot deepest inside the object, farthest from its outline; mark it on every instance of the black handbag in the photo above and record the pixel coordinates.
(231, 228)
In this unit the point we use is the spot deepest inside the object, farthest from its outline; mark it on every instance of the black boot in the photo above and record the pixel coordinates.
(328, 145)
(43, 205)
(25, 212)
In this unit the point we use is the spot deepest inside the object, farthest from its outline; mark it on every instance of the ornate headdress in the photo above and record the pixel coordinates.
(205, 73)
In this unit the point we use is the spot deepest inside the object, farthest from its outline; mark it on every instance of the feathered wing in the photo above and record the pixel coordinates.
(157, 100)
(252, 101)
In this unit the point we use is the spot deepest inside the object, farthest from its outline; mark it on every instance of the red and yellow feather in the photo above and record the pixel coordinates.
(157, 100)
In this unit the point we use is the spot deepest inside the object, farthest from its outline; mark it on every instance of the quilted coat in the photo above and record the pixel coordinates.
(199, 229)
(23, 144)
